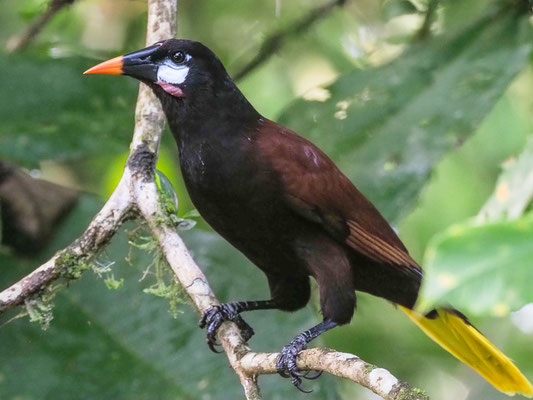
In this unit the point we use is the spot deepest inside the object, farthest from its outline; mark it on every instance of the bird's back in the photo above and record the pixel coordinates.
(317, 191)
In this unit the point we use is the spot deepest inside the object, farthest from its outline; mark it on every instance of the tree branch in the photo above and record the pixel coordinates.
(18, 42)
(343, 365)
(103, 226)
(273, 43)
(137, 195)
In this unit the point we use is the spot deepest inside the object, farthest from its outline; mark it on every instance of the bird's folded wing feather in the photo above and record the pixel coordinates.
(318, 191)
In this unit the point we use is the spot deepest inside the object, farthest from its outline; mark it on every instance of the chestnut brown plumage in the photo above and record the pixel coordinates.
(284, 204)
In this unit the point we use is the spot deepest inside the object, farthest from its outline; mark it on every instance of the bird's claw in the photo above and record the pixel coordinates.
(310, 375)
(296, 381)
(213, 319)
(287, 367)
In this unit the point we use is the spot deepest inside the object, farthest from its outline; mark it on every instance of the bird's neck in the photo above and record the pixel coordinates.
(206, 116)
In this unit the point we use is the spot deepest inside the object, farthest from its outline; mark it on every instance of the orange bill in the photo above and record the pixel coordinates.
(113, 67)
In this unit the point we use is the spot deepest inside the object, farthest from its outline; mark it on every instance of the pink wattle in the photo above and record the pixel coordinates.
(170, 88)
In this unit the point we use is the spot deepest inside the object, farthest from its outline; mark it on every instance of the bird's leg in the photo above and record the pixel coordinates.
(216, 315)
(286, 364)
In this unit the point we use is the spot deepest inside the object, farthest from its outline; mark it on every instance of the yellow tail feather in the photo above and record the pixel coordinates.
(466, 343)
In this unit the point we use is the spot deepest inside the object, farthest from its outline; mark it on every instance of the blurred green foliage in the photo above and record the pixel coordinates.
(491, 260)
(388, 126)
(421, 126)
(50, 112)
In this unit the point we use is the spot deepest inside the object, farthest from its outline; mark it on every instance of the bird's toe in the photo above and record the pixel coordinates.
(215, 316)
(312, 375)
(287, 367)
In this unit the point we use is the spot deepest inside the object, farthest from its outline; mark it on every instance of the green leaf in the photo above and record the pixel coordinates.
(167, 193)
(481, 269)
(125, 344)
(192, 214)
(49, 110)
(514, 189)
(386, 127)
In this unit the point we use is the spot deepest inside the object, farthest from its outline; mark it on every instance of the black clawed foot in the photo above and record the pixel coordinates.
(312, 375)
(213, 319)
(287, 367)
(298, 383)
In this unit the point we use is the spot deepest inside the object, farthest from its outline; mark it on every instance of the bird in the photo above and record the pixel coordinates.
(287, 207)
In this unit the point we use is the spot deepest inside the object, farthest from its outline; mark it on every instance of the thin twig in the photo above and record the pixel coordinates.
(19, 41)
(425, 29)
(273, 43)
(137, 195)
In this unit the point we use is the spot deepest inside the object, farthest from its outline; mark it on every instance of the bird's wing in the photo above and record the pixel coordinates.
(317, 190)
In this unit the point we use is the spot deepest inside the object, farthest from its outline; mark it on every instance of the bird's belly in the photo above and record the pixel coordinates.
(245, 211)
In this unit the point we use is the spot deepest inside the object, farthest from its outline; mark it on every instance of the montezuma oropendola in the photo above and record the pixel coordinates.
(283, 203)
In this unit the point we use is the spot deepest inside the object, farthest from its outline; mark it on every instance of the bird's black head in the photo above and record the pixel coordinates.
(182, 68)
(194, 88)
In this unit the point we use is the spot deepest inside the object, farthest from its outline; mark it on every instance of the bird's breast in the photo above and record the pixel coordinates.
(237, 194)
(213, 169)
(221, 176)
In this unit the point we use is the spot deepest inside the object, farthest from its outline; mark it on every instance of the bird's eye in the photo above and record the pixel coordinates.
(178, 57)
